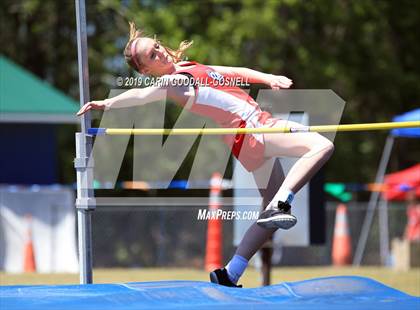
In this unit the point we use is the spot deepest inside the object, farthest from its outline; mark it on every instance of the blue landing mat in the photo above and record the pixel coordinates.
(321, 293)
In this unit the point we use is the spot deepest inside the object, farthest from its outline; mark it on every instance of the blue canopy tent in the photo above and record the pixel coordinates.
(407, 132)
(413, 115)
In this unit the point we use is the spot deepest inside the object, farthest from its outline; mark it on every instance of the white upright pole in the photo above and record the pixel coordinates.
(85, 202)
(384, 232)
(373, 201)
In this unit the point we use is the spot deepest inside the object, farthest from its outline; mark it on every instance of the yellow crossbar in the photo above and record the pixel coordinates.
(229, 131)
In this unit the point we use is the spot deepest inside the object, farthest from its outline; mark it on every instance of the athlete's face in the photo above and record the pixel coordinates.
(154, 58)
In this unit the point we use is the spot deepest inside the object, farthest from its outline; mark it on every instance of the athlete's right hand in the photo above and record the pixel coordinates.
(279, 81)
(95, 105)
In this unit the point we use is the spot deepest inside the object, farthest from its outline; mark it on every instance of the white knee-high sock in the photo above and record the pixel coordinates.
(236, 267)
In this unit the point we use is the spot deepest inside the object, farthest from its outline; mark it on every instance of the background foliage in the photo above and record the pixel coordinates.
(366, 51)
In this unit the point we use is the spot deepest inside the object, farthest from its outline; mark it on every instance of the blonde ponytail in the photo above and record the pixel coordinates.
(178, 54)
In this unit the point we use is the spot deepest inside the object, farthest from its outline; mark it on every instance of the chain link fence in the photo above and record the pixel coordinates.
(172, 236)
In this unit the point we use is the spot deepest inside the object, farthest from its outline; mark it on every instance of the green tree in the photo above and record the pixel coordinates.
(366, 51)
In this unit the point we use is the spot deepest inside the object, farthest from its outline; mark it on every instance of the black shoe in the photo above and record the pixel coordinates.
(220, 276)
(279, 217)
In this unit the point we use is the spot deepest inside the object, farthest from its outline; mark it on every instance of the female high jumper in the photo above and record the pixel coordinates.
(229, 107)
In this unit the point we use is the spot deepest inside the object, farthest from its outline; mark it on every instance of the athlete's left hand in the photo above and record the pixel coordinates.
(279, 81)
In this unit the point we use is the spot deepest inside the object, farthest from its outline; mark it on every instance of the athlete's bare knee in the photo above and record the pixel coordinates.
(327, 148)
(321, 145)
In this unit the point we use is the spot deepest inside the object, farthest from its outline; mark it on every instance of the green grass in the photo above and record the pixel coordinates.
(406, 281)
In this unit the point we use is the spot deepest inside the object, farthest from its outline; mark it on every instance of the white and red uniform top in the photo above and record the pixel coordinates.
(230, 107)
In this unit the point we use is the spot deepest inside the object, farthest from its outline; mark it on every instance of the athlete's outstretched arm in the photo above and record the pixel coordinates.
(253, 76)
(142, 96)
